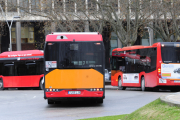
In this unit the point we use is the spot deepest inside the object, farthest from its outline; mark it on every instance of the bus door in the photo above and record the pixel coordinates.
(8, 73)
(20, 78)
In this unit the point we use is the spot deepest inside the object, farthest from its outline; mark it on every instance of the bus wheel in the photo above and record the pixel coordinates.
(1, 85)
(50, 102)
(100, 101)
(120, 84)
(41, 85)
(143, 88)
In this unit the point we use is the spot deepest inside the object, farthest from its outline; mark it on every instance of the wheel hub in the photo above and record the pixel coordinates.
(1, 84)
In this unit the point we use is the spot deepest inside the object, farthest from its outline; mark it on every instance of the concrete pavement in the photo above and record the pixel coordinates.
(172, 99)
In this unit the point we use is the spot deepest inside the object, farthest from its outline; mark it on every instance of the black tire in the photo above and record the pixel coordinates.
(143, 87)
(120, 84)
(41, 85)
(50, 102)
(174, 89)
(100, 101)
(1, 85)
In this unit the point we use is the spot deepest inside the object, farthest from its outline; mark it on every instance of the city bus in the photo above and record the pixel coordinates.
(156, 66)
(20, 69)
(74, 67)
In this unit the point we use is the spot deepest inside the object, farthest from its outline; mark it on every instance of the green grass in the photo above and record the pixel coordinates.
(117, 117)
(155, 110)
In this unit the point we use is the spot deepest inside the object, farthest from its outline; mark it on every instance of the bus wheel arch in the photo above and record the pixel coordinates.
(143, 87)
(120, 83)
(41, 83)
(1, 84)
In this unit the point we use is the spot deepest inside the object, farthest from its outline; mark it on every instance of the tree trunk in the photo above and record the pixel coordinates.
(106, 34)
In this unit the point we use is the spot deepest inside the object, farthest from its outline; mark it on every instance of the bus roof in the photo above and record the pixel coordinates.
(74, 36)
(23, 53)
(131, 48)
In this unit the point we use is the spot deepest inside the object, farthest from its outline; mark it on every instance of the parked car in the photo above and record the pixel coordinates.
(107, 75)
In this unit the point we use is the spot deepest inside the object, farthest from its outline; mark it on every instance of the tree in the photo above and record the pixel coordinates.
(165, 19)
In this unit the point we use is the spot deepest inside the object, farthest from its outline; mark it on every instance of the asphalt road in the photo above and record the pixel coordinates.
(30, 104)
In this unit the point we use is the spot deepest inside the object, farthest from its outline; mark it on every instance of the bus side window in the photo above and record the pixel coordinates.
(1, 68)
(8, 69)
(153, 58)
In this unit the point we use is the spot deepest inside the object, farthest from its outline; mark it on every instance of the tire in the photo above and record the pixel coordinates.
(143, 88)
(50, 102)
(41, 85)
(100, 101)
(1, 85)
(120, 84)
(174, 89)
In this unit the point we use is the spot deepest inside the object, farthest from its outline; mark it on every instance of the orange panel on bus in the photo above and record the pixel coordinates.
(74, 79)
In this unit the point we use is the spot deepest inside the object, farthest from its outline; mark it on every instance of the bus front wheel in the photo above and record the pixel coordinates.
(143, 88)
(50, 102)
(1, 85)
(41, 84)
(120, 84)
(100, 101)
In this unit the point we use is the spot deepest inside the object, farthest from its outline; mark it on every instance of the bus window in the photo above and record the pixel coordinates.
(31, 69)
(8, 69)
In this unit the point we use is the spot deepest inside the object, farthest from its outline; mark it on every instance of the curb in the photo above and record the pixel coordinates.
(165, 98)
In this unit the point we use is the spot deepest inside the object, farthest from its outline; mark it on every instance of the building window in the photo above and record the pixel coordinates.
(157, 38)
(70, 6)
(27, 34)
(81, 6)
(47, 5)
(115, 4)
(113, 42)
(91, 6)
(2, 2)
(145, 37)
(31, 35)
(58, 6)
(133, 5)
(13, 35)
(145, 6)
(12, 5)
(35, 5)
(25, 4)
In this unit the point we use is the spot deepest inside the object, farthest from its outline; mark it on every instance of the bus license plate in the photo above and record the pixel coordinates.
(74, 92)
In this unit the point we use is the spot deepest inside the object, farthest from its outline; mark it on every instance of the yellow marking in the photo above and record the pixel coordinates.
(166, 74)
(74, 78)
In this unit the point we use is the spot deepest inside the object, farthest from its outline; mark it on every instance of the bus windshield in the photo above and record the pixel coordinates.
(170, 54)
(75, 54)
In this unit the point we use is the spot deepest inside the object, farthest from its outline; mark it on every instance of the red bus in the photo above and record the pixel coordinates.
(74, 67)
(156, 66)
(20, 69)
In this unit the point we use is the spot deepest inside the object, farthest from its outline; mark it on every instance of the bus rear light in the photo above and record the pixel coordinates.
(50, 90)
(159, 72)
(98, 43)
(96, 89)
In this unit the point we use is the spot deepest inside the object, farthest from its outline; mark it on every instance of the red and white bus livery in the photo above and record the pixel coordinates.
(21, 69)
(156, 66)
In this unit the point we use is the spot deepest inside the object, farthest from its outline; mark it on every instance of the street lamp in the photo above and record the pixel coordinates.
(10, 45)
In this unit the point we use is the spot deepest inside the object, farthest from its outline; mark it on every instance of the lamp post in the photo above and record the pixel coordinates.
(9, 26)
(10, 44)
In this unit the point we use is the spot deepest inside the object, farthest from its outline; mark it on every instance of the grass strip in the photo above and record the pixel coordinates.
(155, 110)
